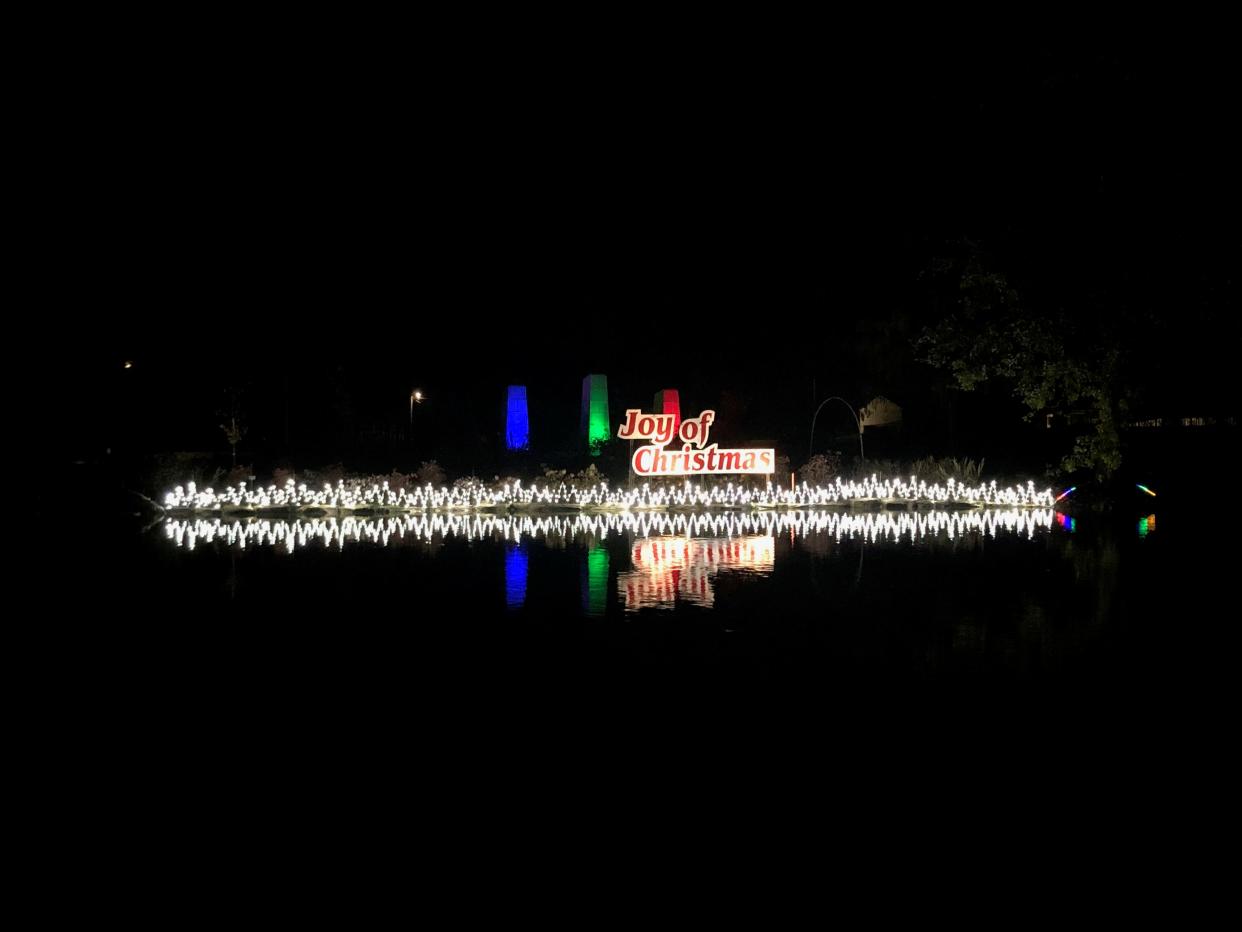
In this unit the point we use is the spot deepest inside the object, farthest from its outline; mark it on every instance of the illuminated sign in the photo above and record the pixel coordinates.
(696, 457)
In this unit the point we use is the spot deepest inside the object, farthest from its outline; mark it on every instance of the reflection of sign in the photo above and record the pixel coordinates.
(695, 456)
(673, 569)
(878, 412)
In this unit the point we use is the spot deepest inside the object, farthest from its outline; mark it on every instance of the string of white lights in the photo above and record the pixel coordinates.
(347, 496)
(334, 533)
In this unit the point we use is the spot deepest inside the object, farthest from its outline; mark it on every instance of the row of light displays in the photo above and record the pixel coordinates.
(668, 570)
(471, 494)
(336, 533)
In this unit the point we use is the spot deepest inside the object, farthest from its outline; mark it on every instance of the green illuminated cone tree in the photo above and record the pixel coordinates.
(1052, 362)
(595, 426)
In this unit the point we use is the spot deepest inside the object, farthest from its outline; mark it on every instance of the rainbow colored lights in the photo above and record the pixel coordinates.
(1072, 488)
(517, 419)
(1146, 525)
(1145, 489)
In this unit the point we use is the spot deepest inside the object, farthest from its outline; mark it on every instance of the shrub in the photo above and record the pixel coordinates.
(586, 479)
(965, 470)
(239, 474)
(167, 470)
(820, 469)
(885, 469)
(780, 475)
(430, 473)
(398, 481)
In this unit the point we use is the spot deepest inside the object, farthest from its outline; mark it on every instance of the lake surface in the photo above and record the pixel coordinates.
(817, 622)
(818, 598)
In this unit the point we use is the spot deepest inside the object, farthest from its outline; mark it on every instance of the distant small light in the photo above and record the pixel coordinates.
(129, 364)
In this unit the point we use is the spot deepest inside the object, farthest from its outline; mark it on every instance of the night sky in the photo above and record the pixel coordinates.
(742, 227)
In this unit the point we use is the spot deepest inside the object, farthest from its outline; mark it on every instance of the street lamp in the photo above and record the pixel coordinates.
(415, 396)
(853, 414)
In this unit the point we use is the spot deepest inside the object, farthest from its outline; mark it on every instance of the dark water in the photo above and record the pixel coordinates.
(820, 602)
(416, 646)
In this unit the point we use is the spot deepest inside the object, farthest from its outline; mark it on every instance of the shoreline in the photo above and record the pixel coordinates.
(872, 505)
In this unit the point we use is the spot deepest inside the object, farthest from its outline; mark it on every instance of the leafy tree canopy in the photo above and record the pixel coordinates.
(1055, 363)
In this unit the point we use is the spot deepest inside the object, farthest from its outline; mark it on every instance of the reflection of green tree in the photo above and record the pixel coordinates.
(595, 581)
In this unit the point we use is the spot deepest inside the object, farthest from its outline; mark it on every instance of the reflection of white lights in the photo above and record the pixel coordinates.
(676, 569)
(346, 496)
(336, 533)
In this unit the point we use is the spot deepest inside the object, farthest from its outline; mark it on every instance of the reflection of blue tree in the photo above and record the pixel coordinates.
(515, 576)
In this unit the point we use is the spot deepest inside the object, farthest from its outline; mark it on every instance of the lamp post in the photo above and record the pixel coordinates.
(853, 414)
(415, 396)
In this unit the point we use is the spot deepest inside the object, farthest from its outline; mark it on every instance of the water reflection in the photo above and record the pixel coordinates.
(672, 569)
(595, 581)
(673, 558)
(1015, 592)
(515, 576)
(333, 533)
